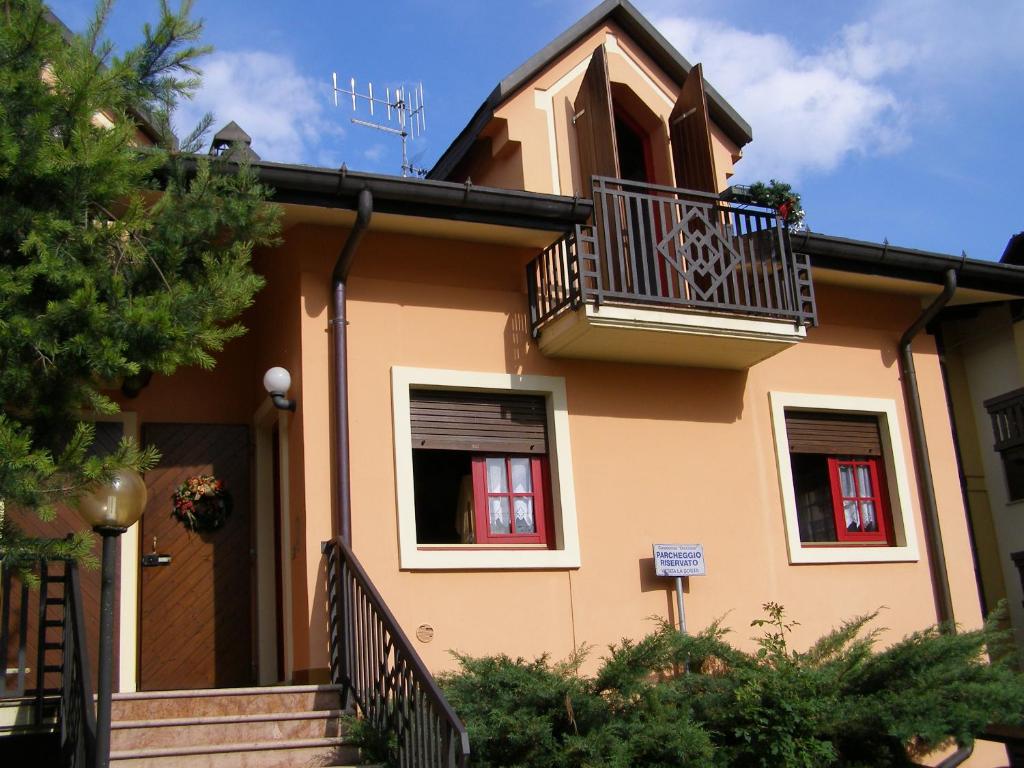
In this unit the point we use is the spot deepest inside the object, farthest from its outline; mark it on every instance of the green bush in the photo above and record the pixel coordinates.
(673, 700)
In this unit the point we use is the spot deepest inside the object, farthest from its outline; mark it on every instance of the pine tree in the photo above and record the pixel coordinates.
(114, 262)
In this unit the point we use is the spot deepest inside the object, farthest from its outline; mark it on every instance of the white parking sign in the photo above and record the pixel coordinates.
(679, 560)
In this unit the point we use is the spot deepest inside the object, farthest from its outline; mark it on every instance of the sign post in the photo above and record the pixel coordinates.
(679, 560)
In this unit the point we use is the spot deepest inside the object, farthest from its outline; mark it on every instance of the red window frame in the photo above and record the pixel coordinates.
(539, 480)
(879, 497)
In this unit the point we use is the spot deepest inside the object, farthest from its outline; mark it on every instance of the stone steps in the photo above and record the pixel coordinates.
(272, 727)
(226, 729)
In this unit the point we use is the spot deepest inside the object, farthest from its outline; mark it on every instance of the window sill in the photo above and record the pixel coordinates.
(841, 544)
(826, 553)
(476, 558)
(481, 547)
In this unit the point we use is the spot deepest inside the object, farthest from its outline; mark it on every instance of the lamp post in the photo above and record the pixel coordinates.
(110, 509)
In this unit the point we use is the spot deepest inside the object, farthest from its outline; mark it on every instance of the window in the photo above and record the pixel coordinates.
(838, 477)
(858, 497)
(1007, 413)
(482, 471)
(479, 467)
(842, 479)
(509, 496)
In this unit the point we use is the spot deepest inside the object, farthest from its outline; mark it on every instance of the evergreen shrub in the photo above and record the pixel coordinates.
(697, 700)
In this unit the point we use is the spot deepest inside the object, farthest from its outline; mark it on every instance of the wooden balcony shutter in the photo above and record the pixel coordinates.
(483, 422)
(595, 124)
(690, 132)
(843, 434)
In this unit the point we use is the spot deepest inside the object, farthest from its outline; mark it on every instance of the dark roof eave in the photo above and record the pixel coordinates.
(330, 188)
(626, 16)
(840, 253)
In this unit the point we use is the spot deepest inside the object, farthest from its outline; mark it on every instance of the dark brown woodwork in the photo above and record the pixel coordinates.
(196, 615)
(660, 246)
(65, 521)
(595, 123)
(478, 421)
(690, 134)
(1007, 414)
(837, 435)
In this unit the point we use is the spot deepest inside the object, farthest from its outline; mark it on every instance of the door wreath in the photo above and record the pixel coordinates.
(202, 504)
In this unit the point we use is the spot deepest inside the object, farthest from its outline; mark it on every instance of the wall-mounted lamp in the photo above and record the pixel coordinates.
(277, 381)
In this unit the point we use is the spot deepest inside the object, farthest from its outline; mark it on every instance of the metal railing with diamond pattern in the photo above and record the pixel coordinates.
(673, 248)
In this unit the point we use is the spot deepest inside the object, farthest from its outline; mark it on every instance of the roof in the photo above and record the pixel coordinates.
(1014, 253)
(830, 252)
(230, 133)
(233, 143)
(640, 29)
(340, 188)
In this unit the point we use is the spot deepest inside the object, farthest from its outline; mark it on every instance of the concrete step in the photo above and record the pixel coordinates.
(18, 715)
(217, 702)
(225, 729)
(304, 753)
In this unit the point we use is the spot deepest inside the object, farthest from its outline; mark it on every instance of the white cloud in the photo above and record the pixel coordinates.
(284, 111)
(375, 153)
(808, 112)
(857, 93)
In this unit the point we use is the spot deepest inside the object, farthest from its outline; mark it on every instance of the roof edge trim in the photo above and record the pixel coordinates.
(864, 257)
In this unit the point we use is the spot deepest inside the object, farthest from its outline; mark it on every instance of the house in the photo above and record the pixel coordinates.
(981, 349)
(513, 378)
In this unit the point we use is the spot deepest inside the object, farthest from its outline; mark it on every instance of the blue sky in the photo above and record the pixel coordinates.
(897, 119)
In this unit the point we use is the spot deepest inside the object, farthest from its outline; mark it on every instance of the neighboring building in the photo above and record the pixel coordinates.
(538, 388)
(983, 352)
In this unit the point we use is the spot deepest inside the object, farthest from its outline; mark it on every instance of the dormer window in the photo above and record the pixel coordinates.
(598, 120)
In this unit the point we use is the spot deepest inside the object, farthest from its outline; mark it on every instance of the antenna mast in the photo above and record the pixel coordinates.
(406, 114)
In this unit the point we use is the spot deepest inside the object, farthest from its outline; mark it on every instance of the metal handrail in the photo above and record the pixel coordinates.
(77, 712)
(653, 245)
(68, 676)
(378, 669)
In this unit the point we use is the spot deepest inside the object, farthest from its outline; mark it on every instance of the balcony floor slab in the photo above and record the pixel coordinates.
(667, 337)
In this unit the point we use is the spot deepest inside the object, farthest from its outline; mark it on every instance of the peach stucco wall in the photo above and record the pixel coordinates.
(658, 454)
(537, 121)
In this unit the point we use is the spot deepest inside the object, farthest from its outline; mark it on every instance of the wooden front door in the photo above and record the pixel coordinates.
(196, 614)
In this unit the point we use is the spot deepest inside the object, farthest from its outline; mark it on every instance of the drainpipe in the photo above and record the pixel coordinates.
(922, 464)
(339, 323)
(957, 757)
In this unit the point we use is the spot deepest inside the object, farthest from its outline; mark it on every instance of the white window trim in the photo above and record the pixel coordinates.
(897, 480)
(566, 552)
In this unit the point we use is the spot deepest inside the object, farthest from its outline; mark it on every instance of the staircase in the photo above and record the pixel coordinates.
(293, 726)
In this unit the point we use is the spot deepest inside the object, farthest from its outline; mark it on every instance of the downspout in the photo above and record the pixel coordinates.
(339, 323)
(958, 757)
(922, 463)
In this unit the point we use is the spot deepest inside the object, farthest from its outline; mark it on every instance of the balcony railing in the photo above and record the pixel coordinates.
(662, 247)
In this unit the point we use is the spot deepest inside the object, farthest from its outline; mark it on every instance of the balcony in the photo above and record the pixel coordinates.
(671, 276)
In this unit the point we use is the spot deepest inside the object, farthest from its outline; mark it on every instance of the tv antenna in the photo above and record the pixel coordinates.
(405, 110)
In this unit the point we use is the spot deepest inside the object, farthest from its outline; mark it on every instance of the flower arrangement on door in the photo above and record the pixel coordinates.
(202, 504)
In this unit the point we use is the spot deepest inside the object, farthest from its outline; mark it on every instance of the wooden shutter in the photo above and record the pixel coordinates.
(690, 132)
(595, 124)
(834, 434)
(483, 422)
